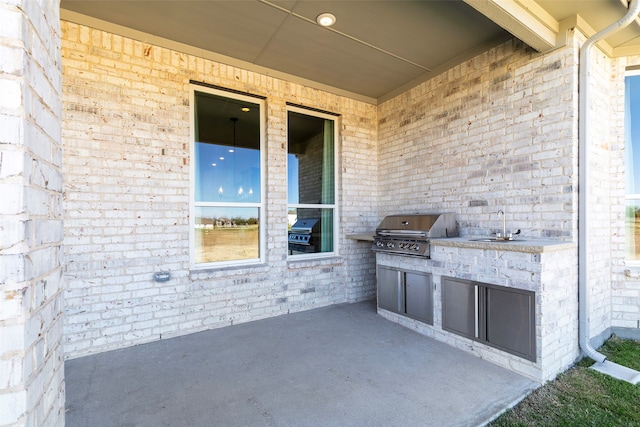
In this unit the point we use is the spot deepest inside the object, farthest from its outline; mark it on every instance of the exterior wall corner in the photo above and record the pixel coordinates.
(31, 283)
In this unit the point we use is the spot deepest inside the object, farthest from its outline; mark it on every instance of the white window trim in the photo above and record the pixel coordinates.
(631, 262)
(336, 169)
(192, 204)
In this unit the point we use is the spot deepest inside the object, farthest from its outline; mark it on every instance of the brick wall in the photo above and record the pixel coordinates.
(504, 128)
(126, 160)
(310, 182)
(601, 250)
(614, 282)
(31, 230)
(497, 131)
(501, 131)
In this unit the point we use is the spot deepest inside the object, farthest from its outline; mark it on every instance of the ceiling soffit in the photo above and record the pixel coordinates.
(374, 48)
(542, 24)
(375, 51)
(529, 22)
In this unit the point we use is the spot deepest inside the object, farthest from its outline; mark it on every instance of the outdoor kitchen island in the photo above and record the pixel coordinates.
(513, 303)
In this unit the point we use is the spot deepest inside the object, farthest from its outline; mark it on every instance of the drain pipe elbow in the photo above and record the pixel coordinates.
(583, 184)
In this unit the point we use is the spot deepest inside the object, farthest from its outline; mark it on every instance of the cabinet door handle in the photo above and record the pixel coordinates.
(401, 295)
(475, 308)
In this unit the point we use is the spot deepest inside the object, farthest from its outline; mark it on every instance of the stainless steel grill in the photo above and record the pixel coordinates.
(303, 235)
(410, 235)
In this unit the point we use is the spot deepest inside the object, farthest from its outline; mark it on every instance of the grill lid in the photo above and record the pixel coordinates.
(418, 226)
(304, 225)
(302, 233)
(409, 234)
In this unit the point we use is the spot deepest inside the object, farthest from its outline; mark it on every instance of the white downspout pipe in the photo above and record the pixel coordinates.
(583, 185)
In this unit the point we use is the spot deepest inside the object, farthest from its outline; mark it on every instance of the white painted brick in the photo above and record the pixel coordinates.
(30, 196)
(12, 94)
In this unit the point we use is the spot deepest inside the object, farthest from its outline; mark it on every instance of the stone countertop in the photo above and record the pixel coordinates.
(471, 242)
(361, 236)
(516, 245)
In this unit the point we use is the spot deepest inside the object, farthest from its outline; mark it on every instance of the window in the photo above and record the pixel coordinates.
(632, 164)
(311, 180)
(227, 184)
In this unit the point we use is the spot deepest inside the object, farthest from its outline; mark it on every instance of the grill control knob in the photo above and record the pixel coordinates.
(390, 244)
(416, 247)
(379, 244)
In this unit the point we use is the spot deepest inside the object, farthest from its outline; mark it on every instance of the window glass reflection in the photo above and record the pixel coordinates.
(226, 234)
(226, 187)
(321, 223)
(310, 160)
(632, 165)
(224, 176)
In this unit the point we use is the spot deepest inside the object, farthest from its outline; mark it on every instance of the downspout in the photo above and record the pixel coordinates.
(583, 185)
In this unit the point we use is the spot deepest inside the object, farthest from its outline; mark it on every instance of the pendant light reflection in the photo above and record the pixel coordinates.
(234, 120)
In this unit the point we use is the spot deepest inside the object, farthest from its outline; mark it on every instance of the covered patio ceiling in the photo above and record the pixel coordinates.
(374, 51)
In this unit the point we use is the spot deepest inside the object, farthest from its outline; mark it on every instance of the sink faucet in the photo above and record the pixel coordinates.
(504, 222)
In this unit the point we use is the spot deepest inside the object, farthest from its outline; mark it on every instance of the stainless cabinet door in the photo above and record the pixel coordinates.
(460, 307)
(511, 321)
(419, 296)
(389, 294)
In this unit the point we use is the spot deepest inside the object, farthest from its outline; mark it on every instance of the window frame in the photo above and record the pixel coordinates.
(260, 101)
(629, 196)
(335, 205)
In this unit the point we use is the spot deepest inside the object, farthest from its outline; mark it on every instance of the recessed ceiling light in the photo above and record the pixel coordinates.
(245, 110)
(326, 19)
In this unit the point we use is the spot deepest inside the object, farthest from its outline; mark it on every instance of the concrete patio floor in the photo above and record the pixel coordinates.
(341, 365)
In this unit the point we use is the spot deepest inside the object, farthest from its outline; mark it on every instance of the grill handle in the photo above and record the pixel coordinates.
(403, 233)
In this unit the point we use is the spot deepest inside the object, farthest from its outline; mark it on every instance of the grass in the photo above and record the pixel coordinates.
(583, 397)
(227, 243)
